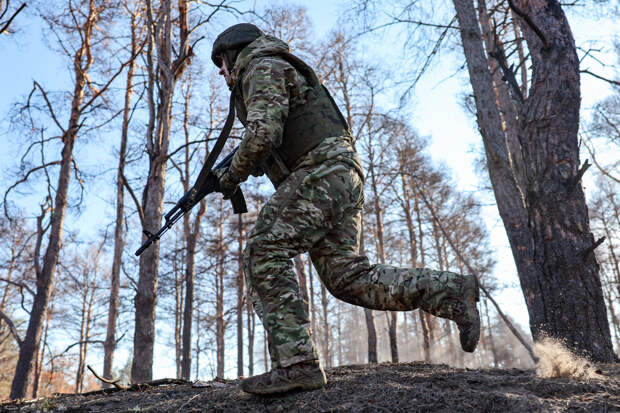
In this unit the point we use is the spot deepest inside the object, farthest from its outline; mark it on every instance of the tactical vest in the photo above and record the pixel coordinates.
(309, 124)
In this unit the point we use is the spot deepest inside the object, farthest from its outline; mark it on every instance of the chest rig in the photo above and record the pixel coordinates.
(307, 125)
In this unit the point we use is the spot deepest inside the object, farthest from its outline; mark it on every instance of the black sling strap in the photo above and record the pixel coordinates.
(219, 144)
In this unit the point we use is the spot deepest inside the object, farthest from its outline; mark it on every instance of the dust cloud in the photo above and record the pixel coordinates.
(557, 361)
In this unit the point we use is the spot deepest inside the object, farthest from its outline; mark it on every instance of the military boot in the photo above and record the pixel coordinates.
(307, 375)
(466, 315)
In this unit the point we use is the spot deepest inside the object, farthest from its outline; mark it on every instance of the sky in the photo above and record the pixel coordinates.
(435, 111)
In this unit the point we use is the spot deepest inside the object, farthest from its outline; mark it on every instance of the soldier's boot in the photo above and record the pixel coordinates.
(307, 375)
(466, 315)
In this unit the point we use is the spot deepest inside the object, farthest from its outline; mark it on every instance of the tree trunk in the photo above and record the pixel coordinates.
(109, 345)
(179, 293)
(41, 351)
(240, 296)
(425, 321)
(543, 206)
(163, 73)
(251, 322)
(326, 352)
(191, 232)
(219, 301)
(82, 62)
(369, 317)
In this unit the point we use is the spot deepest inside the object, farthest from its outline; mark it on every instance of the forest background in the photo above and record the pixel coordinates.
(399, 75)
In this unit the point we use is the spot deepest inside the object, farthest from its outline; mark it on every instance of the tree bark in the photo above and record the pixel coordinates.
(543, 206)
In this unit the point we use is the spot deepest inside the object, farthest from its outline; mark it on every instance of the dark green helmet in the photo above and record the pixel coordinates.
(233, 40)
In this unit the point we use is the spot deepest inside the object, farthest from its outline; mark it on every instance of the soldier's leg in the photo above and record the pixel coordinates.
(287, 225)
(352, 278)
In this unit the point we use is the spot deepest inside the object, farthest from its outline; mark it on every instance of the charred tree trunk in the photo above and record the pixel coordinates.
(542, 205)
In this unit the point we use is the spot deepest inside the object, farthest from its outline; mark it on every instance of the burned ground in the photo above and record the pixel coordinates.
(405, 387)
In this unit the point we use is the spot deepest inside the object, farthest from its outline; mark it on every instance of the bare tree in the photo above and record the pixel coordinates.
(119, 231)
(163, 71)
(79, 28)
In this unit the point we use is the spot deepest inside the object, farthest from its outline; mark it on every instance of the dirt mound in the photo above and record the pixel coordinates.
(406, 387)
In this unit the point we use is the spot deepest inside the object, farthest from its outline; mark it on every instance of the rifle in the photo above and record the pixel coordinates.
(201, 188)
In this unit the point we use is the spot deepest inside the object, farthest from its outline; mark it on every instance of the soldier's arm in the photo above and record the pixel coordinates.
(267, 102)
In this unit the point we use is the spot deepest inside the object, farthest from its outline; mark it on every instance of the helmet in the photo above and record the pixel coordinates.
(234, 39)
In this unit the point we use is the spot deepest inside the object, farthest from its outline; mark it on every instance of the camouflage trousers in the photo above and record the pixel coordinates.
(319, 212)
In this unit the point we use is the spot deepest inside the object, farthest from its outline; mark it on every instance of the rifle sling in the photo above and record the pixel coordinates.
(219, 144)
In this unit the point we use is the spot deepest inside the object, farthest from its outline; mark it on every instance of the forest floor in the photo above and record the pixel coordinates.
(404, 387)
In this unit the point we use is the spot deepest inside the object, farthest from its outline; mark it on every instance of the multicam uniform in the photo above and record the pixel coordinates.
(317, 209)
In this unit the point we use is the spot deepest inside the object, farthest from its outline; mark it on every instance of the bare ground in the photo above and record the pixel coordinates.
(405, 387)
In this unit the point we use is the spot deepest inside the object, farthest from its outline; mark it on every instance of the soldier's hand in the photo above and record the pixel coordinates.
(228, 182)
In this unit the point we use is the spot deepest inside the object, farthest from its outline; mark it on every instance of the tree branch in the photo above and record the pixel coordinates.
(613, 82)
(135, 199)
(24, 179)
(600, 167)
(12, 328)
(8, 23)
(587, 251)
(49, 106)
(18, 284)
(572, 182)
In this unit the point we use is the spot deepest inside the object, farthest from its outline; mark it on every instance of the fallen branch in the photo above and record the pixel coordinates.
(112, 382)
(509, 324)
(133, 387)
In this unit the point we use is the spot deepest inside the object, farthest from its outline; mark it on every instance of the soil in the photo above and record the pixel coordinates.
(404, 387)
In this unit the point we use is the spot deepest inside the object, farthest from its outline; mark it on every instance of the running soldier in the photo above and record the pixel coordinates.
(295, 134)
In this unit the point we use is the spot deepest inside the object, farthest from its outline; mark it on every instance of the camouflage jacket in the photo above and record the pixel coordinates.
(269, 87)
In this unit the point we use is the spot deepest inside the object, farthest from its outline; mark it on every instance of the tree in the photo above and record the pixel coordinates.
(535, 173)
(121, 182)
(163, 71)
(81, 29)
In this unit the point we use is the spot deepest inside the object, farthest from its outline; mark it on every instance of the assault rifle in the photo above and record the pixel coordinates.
(205, 184)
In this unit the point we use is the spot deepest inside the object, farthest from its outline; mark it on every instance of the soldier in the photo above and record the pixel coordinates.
(295, 134)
